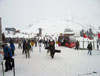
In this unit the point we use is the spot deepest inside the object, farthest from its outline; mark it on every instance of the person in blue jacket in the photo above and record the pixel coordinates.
(9, 61)
(12, 47)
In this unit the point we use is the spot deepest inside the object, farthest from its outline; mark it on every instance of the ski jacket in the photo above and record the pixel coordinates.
(12, 46)
(89, 47)
(7, 52)
(32, 43)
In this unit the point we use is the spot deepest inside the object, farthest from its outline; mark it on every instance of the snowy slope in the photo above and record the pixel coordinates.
(52, 25)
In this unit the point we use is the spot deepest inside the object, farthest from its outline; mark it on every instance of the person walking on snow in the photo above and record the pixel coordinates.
(28, 47)
(77, 45)
(9, 61)
(52, 48)
(12, 47)
(24, 47)
(32, 44)
(89, 47)
(40, 42)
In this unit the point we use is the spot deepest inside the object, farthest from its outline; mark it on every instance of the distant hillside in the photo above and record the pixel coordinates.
(56, 25)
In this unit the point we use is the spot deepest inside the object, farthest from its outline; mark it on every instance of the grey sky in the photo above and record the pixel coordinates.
(24, 12)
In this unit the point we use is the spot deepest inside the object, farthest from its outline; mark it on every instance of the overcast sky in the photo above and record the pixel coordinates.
(16, 13)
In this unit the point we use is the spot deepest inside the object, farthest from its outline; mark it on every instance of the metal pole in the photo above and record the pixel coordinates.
(83, 42)
(2, 69)
(93, 44)
(14, 71)
(13, 67)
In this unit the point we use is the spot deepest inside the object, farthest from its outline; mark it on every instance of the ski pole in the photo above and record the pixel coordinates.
(13, 71)
(13, 67)
(87, 73)
(2, 69)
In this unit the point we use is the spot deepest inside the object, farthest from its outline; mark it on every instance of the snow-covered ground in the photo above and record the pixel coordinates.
(69, 62)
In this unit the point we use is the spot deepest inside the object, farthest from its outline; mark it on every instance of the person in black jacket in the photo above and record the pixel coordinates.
(24, 47)
(77, 45)
(89, 47)
(52, 48)
(28, 48)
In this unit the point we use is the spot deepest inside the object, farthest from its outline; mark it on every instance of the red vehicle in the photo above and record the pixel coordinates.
(68, 41)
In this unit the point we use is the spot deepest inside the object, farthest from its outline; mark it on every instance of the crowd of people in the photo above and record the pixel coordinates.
(28, 45)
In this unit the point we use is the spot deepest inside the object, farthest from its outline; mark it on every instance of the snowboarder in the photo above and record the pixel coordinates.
(52, 48)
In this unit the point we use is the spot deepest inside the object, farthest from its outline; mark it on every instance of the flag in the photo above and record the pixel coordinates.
(98, 35)
(84, 35)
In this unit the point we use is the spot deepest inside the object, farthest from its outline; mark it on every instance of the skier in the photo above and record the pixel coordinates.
(89, 47)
